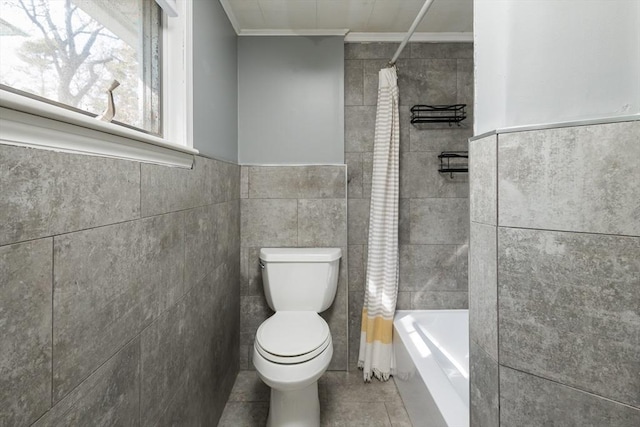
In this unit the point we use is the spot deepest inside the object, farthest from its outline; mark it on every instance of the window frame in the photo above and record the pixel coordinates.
(28, 122)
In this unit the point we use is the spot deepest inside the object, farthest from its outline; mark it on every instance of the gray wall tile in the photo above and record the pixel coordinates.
(46, 193)
(441, 50)
(405, 127)
(356, 267)
(484, 386)
(419, 177)
(323, 182)
(372, 69)
(271, 222)
(200, 244)
(244, 182)
(166, 189)
(358, 221)
(353, 82)
(568, 179)
(404, 221)
(568, 303)
(439, 221)
(292, 182)
(483, 288)
(274, 182)
(25, 328)
(527, 400)
(403, 301)
(110, 396)
(113, 281)
(466, 87)
(372, 51)
(221, 214)
(463, 264)
(483, 180)
(438, 300)
(109, 283)
(427, 81)
(322, 222)
(367, 174)
(254, 310)
(354, 174)
(356, 303)
(165, 353)
(359, 128)
(427, 139)
(429, 267)
(233, 227)
(254, 272)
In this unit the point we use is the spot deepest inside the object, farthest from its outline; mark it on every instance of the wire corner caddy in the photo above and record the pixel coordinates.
(454, 113)
(454, 162)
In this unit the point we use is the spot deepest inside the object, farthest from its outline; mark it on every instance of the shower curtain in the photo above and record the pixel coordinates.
(376, 355)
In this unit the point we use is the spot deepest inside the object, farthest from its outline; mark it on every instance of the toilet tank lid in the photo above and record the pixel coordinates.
(300, 254)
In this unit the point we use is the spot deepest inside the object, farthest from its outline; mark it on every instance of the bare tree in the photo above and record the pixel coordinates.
(68, 48)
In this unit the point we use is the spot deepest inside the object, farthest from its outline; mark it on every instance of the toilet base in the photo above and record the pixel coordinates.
(295, 408)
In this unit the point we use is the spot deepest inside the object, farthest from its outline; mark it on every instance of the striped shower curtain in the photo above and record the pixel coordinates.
(376, 355)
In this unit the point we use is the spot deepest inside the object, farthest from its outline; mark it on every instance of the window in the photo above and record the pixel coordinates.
(70, 52)
(59, 57)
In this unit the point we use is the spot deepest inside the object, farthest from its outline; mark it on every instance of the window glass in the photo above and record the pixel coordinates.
(70, 51)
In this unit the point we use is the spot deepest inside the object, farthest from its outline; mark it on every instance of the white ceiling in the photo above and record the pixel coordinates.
(360, 16)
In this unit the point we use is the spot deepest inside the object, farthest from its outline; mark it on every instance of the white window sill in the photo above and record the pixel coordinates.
(28, 122)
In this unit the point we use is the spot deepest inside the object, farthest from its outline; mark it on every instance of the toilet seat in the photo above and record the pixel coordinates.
(292, 337)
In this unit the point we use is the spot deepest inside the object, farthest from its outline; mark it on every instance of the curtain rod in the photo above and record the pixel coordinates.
(412, 29)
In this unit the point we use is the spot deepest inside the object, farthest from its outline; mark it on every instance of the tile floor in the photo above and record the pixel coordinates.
(345, 401)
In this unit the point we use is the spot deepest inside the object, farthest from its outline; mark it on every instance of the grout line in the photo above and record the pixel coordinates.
(85, 378)
(565, 385)
(497, 275)
(140, 379)
(107, 225)
(567, 231)
(140, 191)
(52, 308)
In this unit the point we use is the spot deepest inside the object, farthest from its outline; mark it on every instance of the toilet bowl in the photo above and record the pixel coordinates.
(293, 348)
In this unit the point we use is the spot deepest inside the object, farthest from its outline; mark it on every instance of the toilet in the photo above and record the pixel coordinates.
(293, 348)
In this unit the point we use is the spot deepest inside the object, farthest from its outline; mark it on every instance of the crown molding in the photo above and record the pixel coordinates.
(465, 37)
(264, 32)
(232, 17)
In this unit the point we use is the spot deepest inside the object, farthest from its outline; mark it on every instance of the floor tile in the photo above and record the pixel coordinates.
(345, 401)
(244, 414)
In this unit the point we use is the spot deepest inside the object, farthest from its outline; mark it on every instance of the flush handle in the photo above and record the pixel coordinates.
(261, 264)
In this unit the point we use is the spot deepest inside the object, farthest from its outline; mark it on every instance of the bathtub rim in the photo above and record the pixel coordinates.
(452, 407)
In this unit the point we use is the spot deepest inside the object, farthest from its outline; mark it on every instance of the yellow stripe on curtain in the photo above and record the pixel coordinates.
(377, 328)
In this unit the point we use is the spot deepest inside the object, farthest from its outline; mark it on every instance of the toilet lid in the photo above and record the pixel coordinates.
(291, 334)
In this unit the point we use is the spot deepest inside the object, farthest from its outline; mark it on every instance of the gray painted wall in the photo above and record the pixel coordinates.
(290, 95)
(215, 82)
(119, 294)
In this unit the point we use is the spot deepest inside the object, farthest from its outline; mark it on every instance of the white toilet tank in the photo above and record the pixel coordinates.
(300, 279)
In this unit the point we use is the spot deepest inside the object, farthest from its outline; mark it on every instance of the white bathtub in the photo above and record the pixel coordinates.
(431, 349)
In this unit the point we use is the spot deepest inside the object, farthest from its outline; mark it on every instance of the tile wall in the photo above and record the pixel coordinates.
(555, 277)
(291, 206)
(434, 208)
(119, 293)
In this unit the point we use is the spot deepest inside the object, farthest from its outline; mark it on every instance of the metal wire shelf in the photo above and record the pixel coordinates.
(446, 165)
(438, 114)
